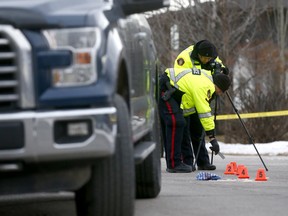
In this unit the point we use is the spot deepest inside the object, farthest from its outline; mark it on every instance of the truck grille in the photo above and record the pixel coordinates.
(8, 74)
(16, 75)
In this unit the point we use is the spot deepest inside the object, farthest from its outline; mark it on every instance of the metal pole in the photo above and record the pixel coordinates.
(250, 138)
(212, 157)
(215, 114)
(198, 150)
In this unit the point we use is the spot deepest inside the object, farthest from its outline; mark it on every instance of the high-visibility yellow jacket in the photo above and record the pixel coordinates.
(198, 88)
(184, 60)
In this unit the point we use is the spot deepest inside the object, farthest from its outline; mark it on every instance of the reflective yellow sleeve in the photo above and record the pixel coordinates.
(220, 61)
(208, 123)
(203, 109)
(187, 105)
(183, 60)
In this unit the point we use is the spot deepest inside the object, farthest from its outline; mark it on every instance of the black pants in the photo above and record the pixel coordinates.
(196, 130)
(186, 148)
(173, 126)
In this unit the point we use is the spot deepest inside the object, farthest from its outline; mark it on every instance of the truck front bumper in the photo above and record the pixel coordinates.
(40, 142)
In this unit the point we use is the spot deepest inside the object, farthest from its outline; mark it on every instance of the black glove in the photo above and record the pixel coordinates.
(167, 94)
(215, 146)
(163, 79)
(225, 70)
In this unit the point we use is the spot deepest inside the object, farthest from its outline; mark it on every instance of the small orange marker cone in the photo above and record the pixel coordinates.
(234, 166)
(243, 173)
(239, 168)
(261, 175)
(229, 169)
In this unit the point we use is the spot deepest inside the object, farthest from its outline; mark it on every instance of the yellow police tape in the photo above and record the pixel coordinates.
(252, 115)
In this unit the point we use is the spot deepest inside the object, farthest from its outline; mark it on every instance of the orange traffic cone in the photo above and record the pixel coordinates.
(234, 166)
(229, 170)
(261, 175)
(243, 173)
(240, 166)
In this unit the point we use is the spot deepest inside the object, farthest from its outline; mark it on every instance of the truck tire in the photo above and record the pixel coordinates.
(111, 189)
(148, 173)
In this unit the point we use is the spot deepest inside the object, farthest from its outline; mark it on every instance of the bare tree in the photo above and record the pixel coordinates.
(223, 22)
(281, 23)
(245, 43)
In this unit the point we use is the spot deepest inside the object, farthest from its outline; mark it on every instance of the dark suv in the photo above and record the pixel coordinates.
(77, 102)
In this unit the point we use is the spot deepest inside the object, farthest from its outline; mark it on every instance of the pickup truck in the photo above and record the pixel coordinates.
(78, 109)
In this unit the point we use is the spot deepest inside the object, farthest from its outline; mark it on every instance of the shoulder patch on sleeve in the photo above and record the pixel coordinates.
(180, 61)
(209, 96)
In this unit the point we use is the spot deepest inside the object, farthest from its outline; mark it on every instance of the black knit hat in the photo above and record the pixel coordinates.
(222, 81)
(206, 48)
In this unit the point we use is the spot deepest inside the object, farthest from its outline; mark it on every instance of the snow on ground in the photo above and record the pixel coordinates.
(274, 148)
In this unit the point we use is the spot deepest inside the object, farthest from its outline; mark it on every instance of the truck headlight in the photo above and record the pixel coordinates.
(83, 43)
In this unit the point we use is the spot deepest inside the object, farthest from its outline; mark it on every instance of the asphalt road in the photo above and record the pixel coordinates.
(182, 194)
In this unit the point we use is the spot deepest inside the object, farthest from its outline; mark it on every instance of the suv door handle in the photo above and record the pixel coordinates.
(140, 35)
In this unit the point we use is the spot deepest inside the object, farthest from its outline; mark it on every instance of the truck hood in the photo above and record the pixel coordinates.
(41, 14)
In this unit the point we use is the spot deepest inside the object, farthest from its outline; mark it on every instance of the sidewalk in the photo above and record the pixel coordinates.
(274, 148)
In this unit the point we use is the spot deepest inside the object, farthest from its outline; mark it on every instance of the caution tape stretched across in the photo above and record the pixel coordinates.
(252, 115)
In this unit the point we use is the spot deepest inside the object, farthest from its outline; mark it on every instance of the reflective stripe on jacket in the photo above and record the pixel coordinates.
(198, 88)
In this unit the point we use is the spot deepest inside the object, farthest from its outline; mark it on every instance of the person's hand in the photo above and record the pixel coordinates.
(225, 70)
(215, 146)
(163, 79)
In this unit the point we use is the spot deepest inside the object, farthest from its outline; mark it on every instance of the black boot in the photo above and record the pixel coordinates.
(207, 167)
(181, 168)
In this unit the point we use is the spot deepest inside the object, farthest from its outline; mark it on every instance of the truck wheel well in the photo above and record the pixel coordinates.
(123, 84)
